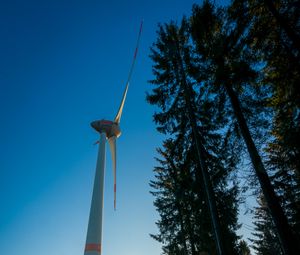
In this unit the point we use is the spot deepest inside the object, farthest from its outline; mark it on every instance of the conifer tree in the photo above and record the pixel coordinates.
(231, 73)
(176, 96)
(279, 68)
(174, 192)
(220, 45)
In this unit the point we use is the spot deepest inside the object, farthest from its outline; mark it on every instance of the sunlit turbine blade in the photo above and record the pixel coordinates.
(119, 114)
(112, 145)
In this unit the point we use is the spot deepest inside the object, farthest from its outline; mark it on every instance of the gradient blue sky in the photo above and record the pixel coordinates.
(62, 65)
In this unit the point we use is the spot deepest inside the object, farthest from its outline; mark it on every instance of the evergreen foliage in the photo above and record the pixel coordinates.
(170, 95)
(266, 241)
(226, 81)
(244, 248)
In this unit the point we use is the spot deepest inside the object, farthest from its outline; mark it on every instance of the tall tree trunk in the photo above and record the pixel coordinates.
(200, 150)
(287, 239)
(210, 196)
(284, 24)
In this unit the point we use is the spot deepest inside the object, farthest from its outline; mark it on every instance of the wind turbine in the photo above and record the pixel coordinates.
(110, 131)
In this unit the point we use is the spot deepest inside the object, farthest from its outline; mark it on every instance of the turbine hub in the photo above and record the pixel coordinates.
(110, 128)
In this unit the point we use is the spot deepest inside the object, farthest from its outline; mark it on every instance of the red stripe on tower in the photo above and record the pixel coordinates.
(93, 247)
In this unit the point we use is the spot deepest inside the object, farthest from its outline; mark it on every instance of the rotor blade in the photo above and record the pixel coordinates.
(112, 145)
(119, 114)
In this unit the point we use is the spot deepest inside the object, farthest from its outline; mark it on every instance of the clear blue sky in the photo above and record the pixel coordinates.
(62, 65)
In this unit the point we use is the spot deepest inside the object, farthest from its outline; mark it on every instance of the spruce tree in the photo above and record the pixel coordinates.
(279, 70)
(177, 98)
(220, 45)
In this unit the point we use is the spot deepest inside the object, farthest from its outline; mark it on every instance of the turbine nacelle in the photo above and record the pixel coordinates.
(108, 127)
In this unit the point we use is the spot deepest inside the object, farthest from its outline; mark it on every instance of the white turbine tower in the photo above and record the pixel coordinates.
(109, 130)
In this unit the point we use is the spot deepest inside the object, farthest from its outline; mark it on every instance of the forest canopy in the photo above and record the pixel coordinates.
(226, 84)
